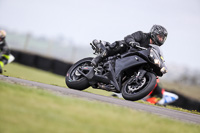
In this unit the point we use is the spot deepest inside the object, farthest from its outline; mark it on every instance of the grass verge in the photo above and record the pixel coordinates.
(27, 110)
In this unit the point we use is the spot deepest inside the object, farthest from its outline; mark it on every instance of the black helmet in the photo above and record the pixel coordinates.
(157, 32)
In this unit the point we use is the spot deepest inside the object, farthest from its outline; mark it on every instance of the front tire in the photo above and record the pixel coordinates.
(131, 91)
(75, 80)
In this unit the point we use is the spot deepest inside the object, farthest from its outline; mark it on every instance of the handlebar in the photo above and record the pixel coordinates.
(141, 47)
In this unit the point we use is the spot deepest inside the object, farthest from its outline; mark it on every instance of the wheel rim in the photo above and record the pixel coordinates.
(75, 75)
(133, 87)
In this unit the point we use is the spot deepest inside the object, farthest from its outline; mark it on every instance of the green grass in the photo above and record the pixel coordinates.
(33, 74)
(28, 110)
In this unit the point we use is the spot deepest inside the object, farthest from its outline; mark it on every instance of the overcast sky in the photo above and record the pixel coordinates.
(110, 20)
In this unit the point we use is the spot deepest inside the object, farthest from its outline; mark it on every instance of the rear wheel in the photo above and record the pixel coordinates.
(133, 90)
(74, 79)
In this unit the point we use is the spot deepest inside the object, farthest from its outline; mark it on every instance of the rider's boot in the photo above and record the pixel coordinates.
(96, 60)
(103, 53)
(106, 49)
(99, 58)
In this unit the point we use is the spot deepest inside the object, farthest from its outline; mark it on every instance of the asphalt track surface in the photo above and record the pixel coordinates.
(161, 111)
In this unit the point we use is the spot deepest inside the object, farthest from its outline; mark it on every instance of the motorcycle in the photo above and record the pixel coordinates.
(133, 73)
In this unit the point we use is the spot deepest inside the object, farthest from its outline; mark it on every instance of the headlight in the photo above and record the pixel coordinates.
(157, 62)
(163, 70)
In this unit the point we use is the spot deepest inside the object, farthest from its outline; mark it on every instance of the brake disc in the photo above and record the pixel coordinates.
(132, 88)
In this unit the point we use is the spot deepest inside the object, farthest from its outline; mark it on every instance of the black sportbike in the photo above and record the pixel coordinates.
(132, 73)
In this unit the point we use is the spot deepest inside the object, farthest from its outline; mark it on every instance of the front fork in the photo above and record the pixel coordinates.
(140, 74)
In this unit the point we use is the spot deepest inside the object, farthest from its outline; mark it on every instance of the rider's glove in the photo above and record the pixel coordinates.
(134, 44)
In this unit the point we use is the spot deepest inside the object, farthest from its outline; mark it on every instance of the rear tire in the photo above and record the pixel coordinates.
(132, 94)
(77, 82)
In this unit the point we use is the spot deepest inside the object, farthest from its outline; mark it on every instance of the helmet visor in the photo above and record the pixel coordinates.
(161, 38)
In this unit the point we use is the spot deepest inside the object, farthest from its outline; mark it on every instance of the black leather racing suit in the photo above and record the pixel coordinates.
(122, 46)
(119, 47)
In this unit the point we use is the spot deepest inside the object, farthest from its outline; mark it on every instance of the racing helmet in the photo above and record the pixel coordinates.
(158, 34)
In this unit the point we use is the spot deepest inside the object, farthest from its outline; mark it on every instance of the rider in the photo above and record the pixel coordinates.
(157, 36)
(4, 50)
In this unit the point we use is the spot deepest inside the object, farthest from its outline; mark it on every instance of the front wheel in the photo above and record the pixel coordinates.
(133, 90)
(74, 79)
